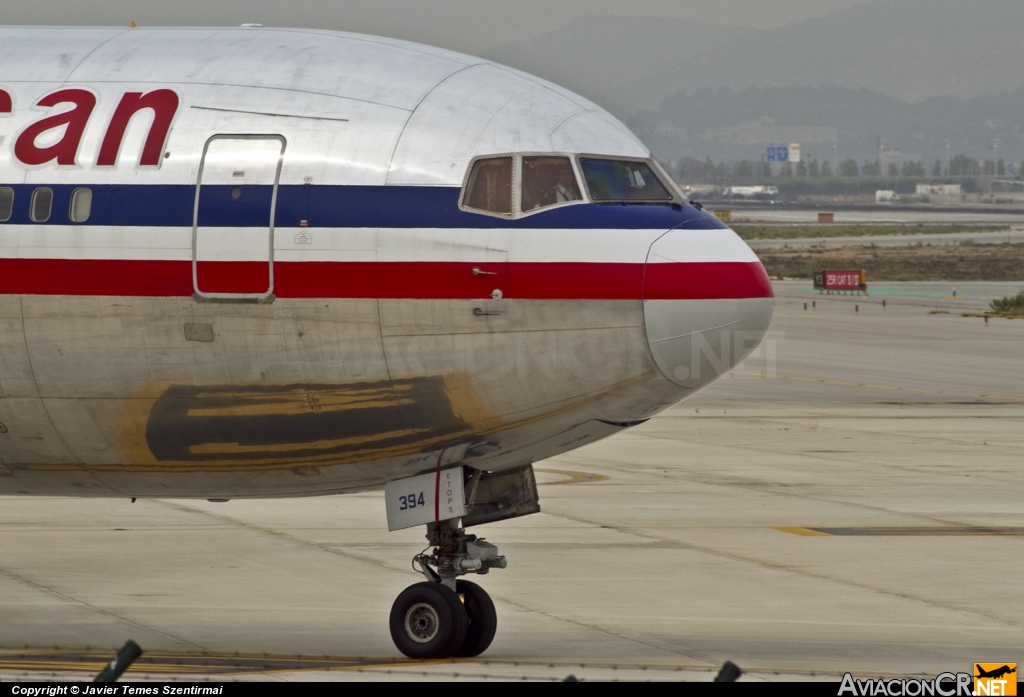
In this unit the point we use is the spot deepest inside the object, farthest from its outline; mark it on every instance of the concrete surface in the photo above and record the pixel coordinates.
(874, 214)
(663, 563)
(906, 240)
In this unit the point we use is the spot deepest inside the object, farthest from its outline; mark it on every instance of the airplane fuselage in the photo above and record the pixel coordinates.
(253, 262)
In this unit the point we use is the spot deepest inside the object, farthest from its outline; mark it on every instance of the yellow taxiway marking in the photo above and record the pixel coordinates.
(901, 531)
(167, 662)
(912, 390)
(226, 665)
(803, 532)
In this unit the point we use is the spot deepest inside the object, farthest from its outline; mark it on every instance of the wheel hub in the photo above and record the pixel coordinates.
(421, 623)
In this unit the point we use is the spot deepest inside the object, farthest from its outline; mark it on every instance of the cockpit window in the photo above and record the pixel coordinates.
(623, 180)
(548, 181)
(490, 186)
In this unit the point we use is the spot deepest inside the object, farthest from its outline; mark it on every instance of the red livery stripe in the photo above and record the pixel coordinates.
(252, 278)
(416, 280)
(707, 280)
(160, 278)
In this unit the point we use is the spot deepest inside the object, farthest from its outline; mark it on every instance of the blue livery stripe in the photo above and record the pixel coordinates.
(325, 206)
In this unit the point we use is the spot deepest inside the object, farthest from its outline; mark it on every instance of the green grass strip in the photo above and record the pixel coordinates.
(794, 232)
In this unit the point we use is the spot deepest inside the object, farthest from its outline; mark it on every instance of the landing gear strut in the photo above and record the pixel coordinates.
(443, 616)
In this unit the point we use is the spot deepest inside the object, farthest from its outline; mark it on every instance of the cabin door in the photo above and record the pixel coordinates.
(233, 222)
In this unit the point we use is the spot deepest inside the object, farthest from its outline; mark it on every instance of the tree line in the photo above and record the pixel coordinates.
(691, 169)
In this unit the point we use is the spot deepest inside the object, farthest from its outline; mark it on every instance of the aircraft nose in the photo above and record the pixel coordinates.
(707, 304)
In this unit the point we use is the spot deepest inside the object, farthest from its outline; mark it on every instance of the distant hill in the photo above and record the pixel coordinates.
(896, 69)
(908, 49)
(616, 61)
(830, 121)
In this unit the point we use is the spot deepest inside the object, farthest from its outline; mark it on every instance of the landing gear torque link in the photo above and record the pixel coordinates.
(442, 616)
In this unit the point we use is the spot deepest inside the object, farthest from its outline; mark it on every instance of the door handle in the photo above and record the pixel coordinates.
(478, 272)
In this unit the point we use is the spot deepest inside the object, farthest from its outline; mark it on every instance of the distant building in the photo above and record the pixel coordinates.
(938, 189)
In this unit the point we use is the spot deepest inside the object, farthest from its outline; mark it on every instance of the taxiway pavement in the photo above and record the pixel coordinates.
(875, 214)
(907, 240)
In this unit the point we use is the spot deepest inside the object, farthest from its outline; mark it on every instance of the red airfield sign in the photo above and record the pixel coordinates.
(835, 279)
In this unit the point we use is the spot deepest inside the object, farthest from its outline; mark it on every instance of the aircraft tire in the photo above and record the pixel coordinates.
(483, 619)
(428, 621)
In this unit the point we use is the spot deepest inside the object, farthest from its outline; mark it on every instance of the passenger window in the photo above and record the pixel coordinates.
(81, 205)
(548, 181)
(623, 180)
(490, 186)
(42, 203)
(6, 204)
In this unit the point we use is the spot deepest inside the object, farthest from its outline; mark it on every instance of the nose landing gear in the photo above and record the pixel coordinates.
(444, 617)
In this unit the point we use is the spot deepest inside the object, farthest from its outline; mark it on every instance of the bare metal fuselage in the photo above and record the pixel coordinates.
(381, 349)
(108, 397)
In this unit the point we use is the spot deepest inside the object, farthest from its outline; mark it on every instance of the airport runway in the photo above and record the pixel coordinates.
(851, 499)
(785, 214)
(1012, 236)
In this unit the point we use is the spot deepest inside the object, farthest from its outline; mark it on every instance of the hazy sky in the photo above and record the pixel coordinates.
(467, 25)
